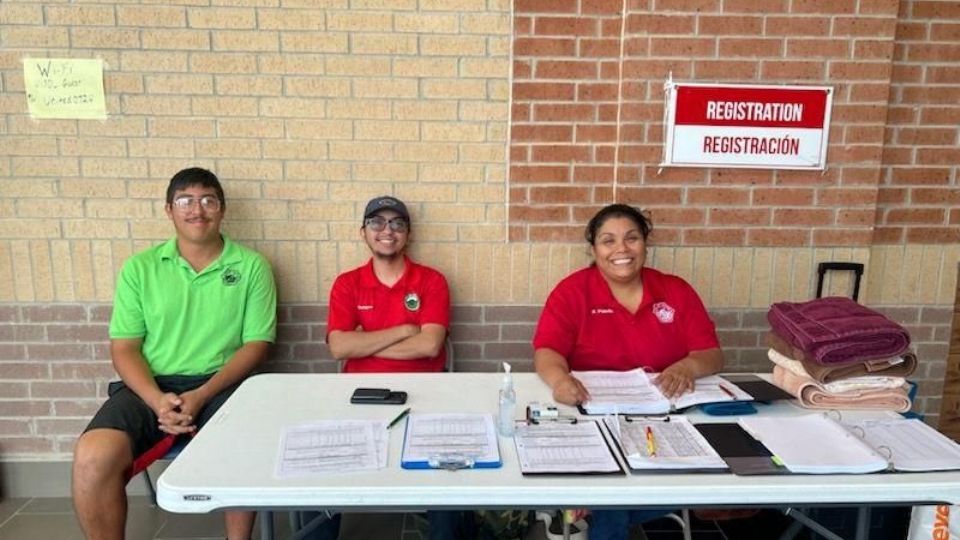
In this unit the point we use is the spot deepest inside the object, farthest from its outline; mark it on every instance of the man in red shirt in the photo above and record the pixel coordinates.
(391, 314)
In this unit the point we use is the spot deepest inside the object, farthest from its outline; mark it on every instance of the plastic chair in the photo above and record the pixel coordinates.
(178, 445)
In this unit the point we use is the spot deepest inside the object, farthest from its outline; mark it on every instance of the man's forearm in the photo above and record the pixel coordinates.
(134, 371)
(360, 344)
(237, 368)
(421, 345)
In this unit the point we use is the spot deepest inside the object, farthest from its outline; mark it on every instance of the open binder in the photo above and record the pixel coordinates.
(908, 444)
(666, 444)
(634, 392)
(450, 441)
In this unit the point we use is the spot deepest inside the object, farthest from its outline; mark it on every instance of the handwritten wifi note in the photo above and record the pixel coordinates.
(64, 88)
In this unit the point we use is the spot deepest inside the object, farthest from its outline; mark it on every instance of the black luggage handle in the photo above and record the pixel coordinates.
(824, 267)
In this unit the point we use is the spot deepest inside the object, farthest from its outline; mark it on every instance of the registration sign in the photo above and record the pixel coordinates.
(748, 126)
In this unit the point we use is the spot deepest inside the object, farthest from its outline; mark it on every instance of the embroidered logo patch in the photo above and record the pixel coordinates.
(230, 277)
(411, 301)
(664, 312)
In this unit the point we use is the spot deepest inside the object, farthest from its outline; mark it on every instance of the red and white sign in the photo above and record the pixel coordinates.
(750, 126)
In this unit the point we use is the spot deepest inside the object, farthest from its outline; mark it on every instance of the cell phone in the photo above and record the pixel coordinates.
(381, 396)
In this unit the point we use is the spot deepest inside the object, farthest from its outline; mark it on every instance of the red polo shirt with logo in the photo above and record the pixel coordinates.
(585, 324)
(359, 299)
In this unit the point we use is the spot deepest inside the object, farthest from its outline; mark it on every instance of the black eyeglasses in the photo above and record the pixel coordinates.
(378, 223)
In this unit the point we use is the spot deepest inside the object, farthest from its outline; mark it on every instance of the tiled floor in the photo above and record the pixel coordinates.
(53, 519)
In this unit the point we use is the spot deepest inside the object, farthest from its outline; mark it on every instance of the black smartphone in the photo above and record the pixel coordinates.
(382, 396)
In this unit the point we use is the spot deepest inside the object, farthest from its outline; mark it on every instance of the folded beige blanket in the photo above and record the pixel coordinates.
(866, 382)
(814, 396)
(901, 366)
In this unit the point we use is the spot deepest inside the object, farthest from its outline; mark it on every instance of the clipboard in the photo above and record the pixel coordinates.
(587, 432)
(450, 442)
(744, 455)
(708, 463)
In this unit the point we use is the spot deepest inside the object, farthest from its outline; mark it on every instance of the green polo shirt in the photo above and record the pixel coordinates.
(193, 322)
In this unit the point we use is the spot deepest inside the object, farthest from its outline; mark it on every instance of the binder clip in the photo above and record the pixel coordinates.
(450, 462)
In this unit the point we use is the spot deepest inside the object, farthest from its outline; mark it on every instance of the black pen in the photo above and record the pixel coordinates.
(398, 418)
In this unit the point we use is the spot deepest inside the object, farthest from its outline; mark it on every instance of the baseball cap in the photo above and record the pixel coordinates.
(386, 202)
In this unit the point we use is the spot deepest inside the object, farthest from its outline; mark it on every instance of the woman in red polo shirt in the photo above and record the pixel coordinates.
(617, 315)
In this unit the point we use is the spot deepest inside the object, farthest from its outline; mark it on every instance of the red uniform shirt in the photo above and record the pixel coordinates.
(585, 324)
(359, 299)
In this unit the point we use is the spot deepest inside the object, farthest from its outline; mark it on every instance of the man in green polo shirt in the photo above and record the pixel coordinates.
(191, 319)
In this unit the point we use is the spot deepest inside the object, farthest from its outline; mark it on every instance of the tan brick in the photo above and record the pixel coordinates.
(360, 151)
(313, 86)
(221, 148)
(426, 152)
(426, 23)
(301, 230)
(142, 16)
(296, 191)
(242, 85)
(483, 67)
(104, 38)
(153, 61)
(383, 44)
(300, 64)
(329, 43)
(179, 84)
(478, 111)
(101, 228)
(451, 173)
(49, 208)
(319, 129)
(21, 14)
(454, 89)
(435, 131)
(359, 21)
(29, 228)
(293, 107)
(291, 19)
(251, 170)
(385, 172)
(294, 149)
(321, 210)
(219, 18)
(395, 5)
(425, 110)
(385, 88)
(424, 67)
(325, 171)
(156, 105)
(358, 108)
(154, 230)
(429, 193)
(239, 40)
(30, 146)
(79, 15)
(16, 188)
(27, 166)
(453, 45)
(178, 39)
(380, 130)
(181, 127)
(112, 168)
(224, 106)
(453, 5)
(223, 63)
(486, 23)
(107, 208)
(484, 153)
(155, 147)
(37, 38)
(357, 65)
(260, 128)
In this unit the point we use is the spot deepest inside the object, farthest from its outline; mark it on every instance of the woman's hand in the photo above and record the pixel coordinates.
(676, 379)
(570, 391)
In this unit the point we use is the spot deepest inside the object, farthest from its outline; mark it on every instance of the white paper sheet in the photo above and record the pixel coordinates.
(468, 435)
(332, 446)
(910, 444)
(552, 447)
(677, 444)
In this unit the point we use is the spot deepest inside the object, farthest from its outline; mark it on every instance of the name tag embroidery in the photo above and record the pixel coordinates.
(601, 311)
(364, 308)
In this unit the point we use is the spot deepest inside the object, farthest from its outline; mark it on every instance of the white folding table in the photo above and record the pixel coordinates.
(230, 464)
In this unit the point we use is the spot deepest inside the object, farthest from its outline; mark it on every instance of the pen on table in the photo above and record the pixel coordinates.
(651, 445)
(727, 391)
(398, 418)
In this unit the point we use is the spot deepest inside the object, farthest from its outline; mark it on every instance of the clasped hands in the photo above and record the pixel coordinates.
(673, 381)
(176, 413)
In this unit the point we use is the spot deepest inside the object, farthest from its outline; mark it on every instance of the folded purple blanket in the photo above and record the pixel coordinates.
(836, 330)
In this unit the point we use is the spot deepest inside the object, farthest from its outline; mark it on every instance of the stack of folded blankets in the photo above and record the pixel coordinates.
(834, 353)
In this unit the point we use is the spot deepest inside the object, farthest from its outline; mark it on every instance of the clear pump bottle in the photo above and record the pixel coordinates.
(508, 404)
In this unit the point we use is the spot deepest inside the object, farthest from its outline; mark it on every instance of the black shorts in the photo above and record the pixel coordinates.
(125, 411)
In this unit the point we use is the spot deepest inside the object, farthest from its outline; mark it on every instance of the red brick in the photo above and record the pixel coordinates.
(786, 70)
(781, 196)
(610, 70)
(522, 69)
(752, 6)
(674, 215)
(846, 197)
(714, 195)
(714, 237)
(86, 407)
(804, 216)
(541, 133)
(557, 194)
(933, 235)
(561, 154)
(56, 313)
(897, 156)
(854, 176)
(565, 69)
(807, 178)
(945, 32)
(640, 153)
(821, 48)
(739, 216)
(654, 174)
(595, 133)
(540, 213)
(873, 50)
(918, 216)
(656, 69)
(82, 333)
(904, 73)
(778, 237)
(522, 26)
(519, 154)
(646, 196)
(723, 69)
(878, 7)
(539, 47)
(28, 371)
(921, 176)
(933, 52)
(82, 370)
(544, 91)
(926, 136)
(864, 27)
(540, 173)
(601, 7)
(935, 9)
(794, 26)
(943, 74)
(940, 115)
(596, 48)
(520, 112)
(636, 46)
(555, 233)
(937, 196)
(891, 195)
(750, 47)
(593, 174)
(607, 113)
(823, 6)
(643, 112)
(686, 47)
(911, 31)
(863, 134)
(699, 6)
(553, 112)
(858, 114)
(660, 24)
(844, 237)
(611, 27)
(729, 25)
(597, 92)
(854, 218)
(888, 235)
(58, 351)
(63, 389)
(930, 94)
(938, 156)
(566, 26)
(545, 6)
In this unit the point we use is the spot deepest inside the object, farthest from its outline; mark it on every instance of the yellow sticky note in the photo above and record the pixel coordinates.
(64, 88)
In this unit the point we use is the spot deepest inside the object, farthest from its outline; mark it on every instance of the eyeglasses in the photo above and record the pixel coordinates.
(209, 203)
(377, 224)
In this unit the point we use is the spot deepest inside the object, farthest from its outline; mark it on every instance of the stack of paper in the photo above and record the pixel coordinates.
(554, 448)
(635, 392)
(668, 444)
(909, 444)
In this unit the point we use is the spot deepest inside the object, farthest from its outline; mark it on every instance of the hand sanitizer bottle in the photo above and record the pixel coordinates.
(508, 404)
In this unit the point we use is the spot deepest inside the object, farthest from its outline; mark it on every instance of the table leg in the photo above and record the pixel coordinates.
(266, 525)
(863, 522)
